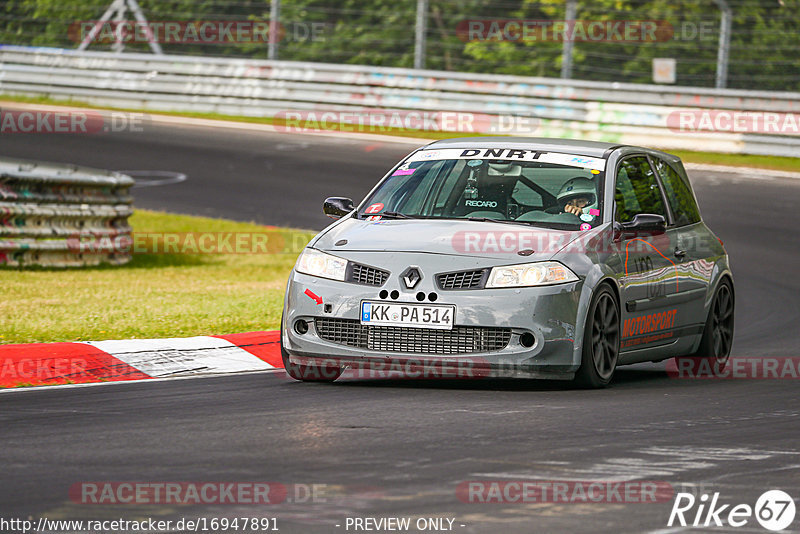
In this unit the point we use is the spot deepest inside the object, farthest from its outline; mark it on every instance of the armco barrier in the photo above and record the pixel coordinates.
(623, 113)
(63, 216)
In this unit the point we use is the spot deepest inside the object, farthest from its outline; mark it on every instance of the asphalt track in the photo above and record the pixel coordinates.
(400, 448)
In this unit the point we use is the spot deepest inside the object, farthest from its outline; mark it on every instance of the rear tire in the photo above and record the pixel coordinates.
(717, 341)
(601, 339)
(322, 372)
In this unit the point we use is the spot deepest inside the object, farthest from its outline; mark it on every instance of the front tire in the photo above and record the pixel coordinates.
(601, 340)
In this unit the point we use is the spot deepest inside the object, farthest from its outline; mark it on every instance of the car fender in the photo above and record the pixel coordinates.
(599, 274)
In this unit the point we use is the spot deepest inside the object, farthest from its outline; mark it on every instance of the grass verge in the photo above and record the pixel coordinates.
(737, 160)
(155, 295)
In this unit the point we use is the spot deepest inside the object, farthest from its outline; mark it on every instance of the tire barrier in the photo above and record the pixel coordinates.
(62, 215)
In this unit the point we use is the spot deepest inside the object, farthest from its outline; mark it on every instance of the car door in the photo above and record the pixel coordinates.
(693, 256)
(649, 277)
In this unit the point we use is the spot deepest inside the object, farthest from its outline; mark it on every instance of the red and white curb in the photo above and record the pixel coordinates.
(137, 359)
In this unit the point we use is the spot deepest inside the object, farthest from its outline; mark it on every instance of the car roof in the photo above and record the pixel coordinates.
(572, 146)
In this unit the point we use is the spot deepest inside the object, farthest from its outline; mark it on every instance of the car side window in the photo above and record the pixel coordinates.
(679, 194)
(637, 190)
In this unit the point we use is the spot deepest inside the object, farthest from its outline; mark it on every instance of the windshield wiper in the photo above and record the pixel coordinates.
(397, 215)
(389, 215)
(487, 219)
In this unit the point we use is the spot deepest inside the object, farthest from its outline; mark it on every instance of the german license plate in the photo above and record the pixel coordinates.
(413, 315)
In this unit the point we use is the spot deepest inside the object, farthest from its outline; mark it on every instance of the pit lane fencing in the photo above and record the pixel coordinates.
(63, 215)
(689, 118)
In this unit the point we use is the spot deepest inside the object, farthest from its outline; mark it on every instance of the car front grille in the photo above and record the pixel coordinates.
(364, 274)
(459, 340)
(462, 279)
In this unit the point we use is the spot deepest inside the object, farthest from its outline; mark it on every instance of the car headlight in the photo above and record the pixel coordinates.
(316, 263)
(530, 274)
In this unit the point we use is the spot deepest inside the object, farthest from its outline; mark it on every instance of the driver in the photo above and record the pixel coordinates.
(577, 196)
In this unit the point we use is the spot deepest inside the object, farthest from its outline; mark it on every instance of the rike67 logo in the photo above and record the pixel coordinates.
(774, 510)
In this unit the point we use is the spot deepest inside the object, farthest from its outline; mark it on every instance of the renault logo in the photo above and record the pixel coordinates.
(411, 277)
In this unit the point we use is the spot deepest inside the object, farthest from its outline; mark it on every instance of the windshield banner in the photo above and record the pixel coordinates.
(514, 154)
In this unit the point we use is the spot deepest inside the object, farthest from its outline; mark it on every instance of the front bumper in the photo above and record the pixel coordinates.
(548, 313)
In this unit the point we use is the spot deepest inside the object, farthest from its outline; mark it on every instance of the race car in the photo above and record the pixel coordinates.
(512, 257)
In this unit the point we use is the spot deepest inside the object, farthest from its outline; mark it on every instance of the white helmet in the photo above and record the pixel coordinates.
(578, 187)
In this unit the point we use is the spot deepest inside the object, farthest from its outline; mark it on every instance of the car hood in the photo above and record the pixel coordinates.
(448, 237)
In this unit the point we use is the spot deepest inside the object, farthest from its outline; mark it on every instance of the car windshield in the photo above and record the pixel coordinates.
(541, 190)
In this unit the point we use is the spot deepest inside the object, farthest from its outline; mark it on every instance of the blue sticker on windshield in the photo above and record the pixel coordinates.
(474, 162)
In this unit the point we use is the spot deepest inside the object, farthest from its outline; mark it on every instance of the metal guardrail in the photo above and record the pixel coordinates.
(625, 113)
(63, 216)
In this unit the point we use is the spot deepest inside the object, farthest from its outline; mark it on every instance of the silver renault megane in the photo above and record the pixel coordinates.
(512, 257)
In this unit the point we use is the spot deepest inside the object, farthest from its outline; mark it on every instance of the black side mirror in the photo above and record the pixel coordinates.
(645, 224)
(337, 207)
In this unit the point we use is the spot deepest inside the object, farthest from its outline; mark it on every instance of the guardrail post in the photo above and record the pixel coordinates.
(274, 30)
(566, 51)
(724, 43)
(422, 28)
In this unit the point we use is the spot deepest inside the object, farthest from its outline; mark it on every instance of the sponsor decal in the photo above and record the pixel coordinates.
(514, 154)
(481, 203)
(653, 247)
(313, 296)
(649, 323)
(374, 208)
(586, 226)
(648, 328)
